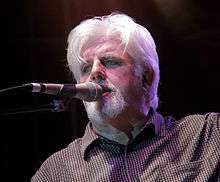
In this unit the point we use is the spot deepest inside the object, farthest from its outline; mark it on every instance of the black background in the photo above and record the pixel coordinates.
(33, 41)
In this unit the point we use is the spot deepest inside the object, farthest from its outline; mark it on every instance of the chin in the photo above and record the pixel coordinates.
(110, 106)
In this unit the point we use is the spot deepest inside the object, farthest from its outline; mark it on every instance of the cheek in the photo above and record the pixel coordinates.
(118, 76)
(124, 78)
(83, 79)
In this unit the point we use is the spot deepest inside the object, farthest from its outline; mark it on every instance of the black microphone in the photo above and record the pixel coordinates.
(87, 91)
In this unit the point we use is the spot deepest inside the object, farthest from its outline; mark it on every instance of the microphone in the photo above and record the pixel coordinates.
(87, 91)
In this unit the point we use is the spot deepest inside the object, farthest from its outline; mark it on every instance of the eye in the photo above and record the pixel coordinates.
(86, 68)
(112, 62)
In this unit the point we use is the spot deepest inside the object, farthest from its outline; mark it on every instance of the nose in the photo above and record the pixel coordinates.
(98, 72)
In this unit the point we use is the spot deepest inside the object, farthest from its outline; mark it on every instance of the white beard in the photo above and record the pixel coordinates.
(110, 108)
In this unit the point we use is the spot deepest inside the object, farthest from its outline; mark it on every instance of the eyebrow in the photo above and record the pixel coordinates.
(106, 50)
(85, 62)
(102, 58)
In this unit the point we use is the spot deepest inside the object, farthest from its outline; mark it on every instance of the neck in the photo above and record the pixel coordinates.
(119, 133)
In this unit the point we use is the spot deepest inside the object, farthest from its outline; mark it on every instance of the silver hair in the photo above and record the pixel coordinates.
(135, 39)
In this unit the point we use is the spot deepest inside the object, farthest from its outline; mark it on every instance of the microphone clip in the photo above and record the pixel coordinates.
(58, 105)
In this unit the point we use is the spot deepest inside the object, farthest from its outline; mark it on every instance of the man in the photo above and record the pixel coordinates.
(126, 139)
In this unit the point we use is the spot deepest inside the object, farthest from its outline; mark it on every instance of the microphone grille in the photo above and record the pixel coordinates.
(88, 91)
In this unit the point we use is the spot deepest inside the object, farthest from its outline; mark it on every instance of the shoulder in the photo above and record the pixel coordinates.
(72, 150)
(210, 120)
(204, 127)
(57, 162)
(195, 126)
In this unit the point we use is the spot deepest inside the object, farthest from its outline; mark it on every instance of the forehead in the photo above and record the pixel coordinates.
(101, 47)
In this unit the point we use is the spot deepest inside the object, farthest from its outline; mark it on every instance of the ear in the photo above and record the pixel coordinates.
(147, 78)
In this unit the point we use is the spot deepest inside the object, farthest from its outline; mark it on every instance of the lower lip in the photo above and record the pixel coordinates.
(106, 94)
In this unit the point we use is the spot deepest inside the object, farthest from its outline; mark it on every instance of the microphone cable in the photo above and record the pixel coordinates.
(21, 87)
(54, 106)
(40, 108)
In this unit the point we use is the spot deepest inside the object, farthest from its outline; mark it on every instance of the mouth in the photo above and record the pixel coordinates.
(106, 90)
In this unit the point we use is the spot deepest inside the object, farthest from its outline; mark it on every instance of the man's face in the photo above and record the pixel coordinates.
(107, 65)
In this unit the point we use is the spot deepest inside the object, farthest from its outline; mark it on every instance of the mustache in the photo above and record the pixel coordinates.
(108, 87)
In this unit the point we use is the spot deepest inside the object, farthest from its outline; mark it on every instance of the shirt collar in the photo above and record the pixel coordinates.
(90, 139)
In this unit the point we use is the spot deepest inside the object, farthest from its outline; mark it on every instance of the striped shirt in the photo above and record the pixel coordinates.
(184, 150)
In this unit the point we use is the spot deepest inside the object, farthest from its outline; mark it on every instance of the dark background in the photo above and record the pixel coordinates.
(33, 41)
